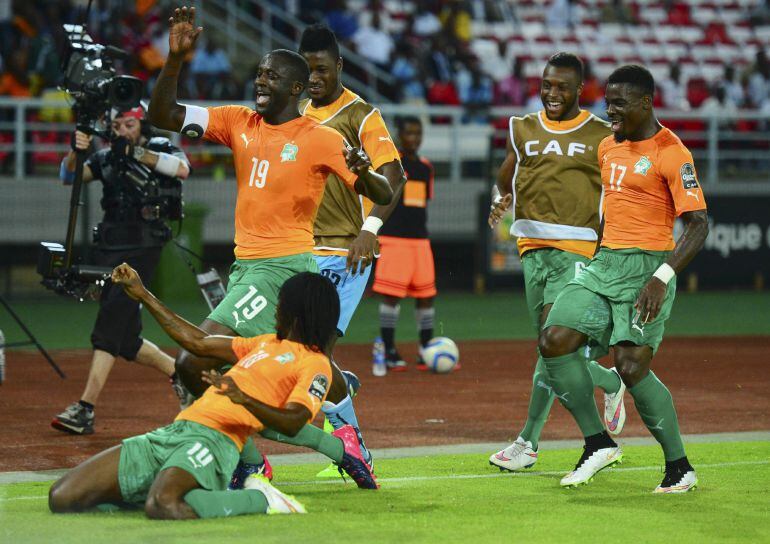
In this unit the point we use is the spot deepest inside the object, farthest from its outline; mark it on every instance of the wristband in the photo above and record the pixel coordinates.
(168, 165)
(372, 224)
(496, 196)
(67, 177)
(664, 273)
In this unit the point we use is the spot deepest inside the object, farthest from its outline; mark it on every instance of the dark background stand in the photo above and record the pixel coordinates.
(32, 339)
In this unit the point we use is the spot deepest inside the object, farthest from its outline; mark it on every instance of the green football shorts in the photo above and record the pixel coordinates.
(208, 455)
(599, 302)
(546, 272)
(252, 292)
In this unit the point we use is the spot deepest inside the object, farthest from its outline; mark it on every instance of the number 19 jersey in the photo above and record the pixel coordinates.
(281, 172)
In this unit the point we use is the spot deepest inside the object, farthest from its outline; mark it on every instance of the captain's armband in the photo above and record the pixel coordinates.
(196, 121)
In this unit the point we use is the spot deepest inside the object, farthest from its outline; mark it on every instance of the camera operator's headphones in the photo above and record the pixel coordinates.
(139, 112)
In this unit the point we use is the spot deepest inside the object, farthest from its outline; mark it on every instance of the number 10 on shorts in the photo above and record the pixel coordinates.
(249, 306)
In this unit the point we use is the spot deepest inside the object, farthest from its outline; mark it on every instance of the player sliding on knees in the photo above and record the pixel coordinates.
(279, 380)
(282, 163)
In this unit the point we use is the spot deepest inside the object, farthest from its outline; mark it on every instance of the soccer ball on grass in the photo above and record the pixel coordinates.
(440, 355)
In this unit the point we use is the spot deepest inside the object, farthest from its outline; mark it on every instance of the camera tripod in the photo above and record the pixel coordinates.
(31, 339)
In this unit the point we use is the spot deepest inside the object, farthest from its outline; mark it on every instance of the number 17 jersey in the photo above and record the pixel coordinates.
(646, 184)
(281, 172)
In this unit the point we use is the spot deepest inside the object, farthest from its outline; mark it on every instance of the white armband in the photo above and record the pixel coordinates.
(196, 121)
(372, 224)
(167, 164)
(664, 273)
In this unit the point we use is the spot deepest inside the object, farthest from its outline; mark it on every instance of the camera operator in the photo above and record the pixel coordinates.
(132, 230)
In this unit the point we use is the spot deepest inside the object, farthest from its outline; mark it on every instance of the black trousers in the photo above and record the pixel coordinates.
(118, 326)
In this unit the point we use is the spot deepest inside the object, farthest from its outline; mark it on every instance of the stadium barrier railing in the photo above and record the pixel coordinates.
(728, 147)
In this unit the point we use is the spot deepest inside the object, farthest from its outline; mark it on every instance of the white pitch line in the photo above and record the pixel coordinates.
(430, 451)
(410, 479)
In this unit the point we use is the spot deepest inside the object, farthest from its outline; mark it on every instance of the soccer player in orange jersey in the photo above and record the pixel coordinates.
(625, 294)
(282, 162)
(279, 380)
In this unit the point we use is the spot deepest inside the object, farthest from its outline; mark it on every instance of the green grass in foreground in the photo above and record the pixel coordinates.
(62, 323)
(458, 498)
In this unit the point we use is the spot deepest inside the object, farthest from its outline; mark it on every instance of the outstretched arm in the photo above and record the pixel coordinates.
(164, 111)
(287, 420)
(183, 332)
(696, 229)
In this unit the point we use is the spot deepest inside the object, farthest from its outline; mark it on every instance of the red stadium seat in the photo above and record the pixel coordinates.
(697, 91)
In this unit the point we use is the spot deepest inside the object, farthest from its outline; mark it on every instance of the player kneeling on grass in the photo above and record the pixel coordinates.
(279, 381)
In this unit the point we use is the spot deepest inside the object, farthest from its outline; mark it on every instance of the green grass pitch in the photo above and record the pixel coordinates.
(458, 498)
(62, 323)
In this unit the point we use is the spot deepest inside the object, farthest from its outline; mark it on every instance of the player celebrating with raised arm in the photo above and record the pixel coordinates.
(624, 296)
(552, 169)
(279, 380)
(346, 226)
(282, 160)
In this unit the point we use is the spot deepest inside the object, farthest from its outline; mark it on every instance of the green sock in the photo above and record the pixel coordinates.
(540, 401)
(222, 504)
(571, 382)
(604, 378)
(656, 407)
(311, 437)
(250, 454)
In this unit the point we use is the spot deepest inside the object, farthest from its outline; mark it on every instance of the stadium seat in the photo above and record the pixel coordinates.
(712, 72)
(763, 34)
(703, 16)
(697, 91)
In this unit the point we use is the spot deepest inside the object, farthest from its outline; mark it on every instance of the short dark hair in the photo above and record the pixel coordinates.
(634, 75)
(567, 60)
(319, 37)
(309, 305)
(298, 66)
(404, 120)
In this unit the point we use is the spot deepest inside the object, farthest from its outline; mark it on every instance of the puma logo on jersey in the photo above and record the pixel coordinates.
(384, 139)
(531, 148)
(690, 193)
(246, 141)
(238, 320)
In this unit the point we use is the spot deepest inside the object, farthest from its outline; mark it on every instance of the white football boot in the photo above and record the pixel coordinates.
(517, 456)
(591, 463)
(677, 481)
(615, 409)
(277, 502)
